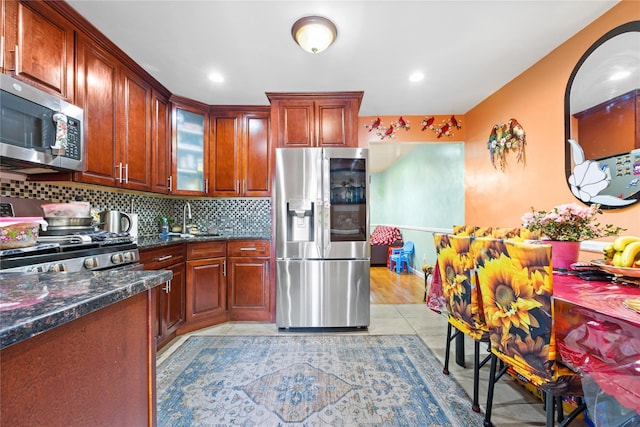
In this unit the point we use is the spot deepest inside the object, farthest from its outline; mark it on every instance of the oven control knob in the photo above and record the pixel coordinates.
(117, 258)
(37, 269)
(129, 256)
(91, 263)
(57, 268)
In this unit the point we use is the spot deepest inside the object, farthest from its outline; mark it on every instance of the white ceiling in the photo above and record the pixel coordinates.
(466, 49)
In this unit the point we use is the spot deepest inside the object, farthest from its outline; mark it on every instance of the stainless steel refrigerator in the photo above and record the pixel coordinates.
(322, 237)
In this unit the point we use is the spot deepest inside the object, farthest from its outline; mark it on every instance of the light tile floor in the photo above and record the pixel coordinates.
(513, 406)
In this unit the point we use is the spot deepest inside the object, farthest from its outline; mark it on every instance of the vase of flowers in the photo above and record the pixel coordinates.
(565, 226)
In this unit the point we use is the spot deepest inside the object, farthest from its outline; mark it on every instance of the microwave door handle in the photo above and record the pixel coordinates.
(60, 144)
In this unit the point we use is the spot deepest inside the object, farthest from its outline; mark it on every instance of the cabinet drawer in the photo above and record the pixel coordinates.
(199, 250)
(161, 258)
(249, 248)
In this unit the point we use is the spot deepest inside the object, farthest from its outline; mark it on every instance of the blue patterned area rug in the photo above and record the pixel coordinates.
(324, 380)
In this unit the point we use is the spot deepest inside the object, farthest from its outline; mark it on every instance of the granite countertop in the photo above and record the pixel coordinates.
(34, 303)
(154, 240)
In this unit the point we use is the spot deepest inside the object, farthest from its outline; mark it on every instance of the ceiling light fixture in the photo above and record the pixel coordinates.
(416, 77)
(314, 33)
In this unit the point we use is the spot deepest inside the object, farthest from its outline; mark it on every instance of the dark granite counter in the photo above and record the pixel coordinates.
(34, 303)
(155, 240)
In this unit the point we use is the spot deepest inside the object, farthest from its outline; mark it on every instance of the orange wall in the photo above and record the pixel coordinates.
(536, 99)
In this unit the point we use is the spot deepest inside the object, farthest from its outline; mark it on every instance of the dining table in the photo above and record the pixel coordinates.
(598, 334)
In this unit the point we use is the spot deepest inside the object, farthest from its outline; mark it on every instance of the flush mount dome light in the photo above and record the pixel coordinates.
(314, 33)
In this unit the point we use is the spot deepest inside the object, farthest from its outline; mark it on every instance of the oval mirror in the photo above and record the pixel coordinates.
(602, 121)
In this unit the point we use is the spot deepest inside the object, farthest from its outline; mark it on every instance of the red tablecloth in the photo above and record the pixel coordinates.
(597, 335)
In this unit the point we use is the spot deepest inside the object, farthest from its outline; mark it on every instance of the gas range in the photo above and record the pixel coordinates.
(75, 252)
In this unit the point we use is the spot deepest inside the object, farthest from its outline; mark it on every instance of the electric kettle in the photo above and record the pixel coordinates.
(115, 221)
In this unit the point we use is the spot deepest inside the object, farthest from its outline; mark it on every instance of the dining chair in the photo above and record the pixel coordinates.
(516, 285)
(455, 263)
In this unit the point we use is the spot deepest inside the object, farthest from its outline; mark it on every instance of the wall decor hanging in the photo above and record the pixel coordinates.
(446, 127)
(388, 132)
(506, 137)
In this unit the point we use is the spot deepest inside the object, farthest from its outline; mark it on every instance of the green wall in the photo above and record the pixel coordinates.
(421, 193)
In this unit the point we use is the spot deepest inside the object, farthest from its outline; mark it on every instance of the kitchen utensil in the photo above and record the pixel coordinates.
(69, 221)
(115, 221)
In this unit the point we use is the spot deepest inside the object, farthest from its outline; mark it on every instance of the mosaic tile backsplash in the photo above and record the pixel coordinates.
(240, 216)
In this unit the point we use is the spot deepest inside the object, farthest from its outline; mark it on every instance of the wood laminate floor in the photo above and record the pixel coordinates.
(389, 287)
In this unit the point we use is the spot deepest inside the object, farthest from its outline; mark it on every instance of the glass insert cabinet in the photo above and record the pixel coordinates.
(190, 130)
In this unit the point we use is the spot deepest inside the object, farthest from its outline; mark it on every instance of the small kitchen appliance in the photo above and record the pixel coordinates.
(115, 221)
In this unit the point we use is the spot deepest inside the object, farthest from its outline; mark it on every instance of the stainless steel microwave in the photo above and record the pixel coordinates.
(39, 132)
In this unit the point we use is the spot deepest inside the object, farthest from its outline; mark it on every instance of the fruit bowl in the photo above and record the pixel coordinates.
(620, 271)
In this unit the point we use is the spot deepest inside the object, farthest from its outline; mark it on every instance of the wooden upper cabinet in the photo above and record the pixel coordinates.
(38, 47)
(328, 119)
(117, 115)
(190, 147)
(161, 179)
(240, 152)
(134, 146)
(257, 153)
(225, 152)
(97, 90)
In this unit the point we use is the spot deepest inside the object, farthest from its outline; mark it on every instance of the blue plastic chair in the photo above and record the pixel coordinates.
(400, 258)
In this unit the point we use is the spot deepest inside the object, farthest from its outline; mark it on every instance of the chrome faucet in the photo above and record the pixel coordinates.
(186, 210)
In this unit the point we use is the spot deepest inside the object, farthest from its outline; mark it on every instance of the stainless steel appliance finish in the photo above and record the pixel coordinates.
(73, 253)
(68, 248)
(322, 239)
(38, 132)
(115, 221)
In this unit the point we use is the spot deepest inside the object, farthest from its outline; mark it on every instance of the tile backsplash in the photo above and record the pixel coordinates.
(233, 216)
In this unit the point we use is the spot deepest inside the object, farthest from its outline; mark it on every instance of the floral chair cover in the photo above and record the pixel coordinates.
(459, 290)
(459, 285)
(516, 287)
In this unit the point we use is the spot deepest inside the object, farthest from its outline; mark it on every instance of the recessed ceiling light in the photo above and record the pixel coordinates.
(416, 77)
(619, 75)
(216, 77)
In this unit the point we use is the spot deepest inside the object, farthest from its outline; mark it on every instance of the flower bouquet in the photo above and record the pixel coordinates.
(569, 222)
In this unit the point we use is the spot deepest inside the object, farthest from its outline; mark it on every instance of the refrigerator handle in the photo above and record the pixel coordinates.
(326, 203)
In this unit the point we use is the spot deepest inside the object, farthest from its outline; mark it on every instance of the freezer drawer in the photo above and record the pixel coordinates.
(322, 293)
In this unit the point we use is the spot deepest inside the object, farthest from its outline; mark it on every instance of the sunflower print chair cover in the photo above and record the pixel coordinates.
(516, 287)
(462, 300)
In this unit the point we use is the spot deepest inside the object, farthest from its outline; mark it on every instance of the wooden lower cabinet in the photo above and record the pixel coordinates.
(213, 282)
(171, 296)
(206, 293)
(248, 280)
(97, 370)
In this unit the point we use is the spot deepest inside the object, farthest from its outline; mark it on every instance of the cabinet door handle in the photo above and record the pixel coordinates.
(170, 179)
(15, 60)
(206, 186)
(126, 173)
(249, 249)
(224, 268)
(237, 185)
(119, 167)
(167, 287)
(164, 258)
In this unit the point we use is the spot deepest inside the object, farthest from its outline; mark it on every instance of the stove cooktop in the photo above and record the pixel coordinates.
(71, 253)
